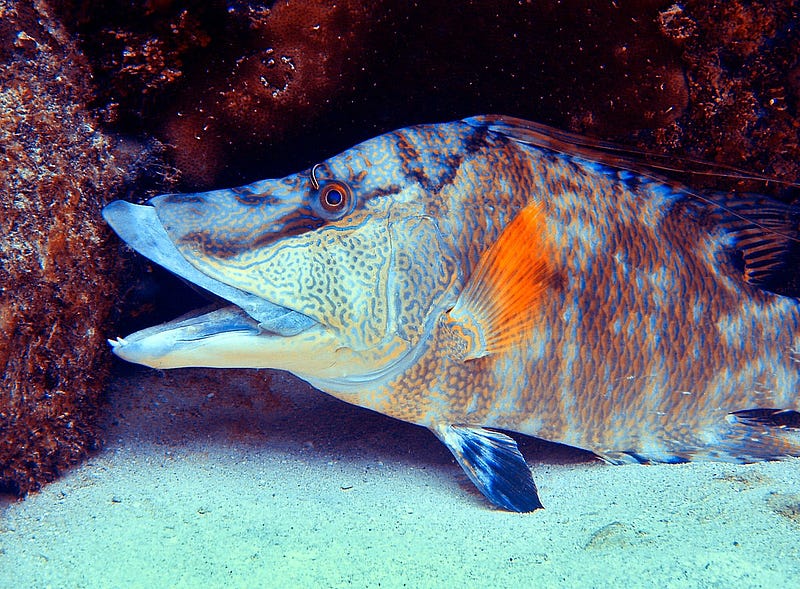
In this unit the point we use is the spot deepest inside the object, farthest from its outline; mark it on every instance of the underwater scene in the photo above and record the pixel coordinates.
(400, 294)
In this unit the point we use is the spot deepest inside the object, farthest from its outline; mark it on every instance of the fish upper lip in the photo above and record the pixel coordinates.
(140, 227)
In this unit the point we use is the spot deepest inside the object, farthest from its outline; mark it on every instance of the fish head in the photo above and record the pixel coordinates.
(334, 273)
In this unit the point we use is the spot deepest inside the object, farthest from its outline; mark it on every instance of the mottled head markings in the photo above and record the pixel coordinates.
(323, 201)
(182, 198)
(256, 200)
(431, 178)
(297, 222)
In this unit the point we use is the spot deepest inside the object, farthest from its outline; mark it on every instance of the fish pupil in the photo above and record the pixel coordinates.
(334, 198)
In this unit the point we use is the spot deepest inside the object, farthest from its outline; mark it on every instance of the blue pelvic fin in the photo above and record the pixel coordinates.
(494, 463)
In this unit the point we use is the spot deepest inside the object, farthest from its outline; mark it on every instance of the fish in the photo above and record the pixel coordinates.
(491, 276)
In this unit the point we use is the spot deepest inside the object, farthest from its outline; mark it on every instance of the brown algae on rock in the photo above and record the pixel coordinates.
(57, 284)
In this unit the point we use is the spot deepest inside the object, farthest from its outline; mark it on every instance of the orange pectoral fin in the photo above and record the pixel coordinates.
(497, 308)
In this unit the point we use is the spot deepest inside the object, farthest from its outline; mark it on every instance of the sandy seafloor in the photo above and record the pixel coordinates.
(219, 479)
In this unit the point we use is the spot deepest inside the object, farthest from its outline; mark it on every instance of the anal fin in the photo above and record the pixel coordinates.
(762, 433)
(787, 418)
(494, 463)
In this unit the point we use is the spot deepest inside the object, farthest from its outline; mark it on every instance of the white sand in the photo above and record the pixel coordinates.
(208, 481)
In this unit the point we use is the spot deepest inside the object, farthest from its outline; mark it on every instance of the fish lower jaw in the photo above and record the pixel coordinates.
(228, 350)
(229, 338)
(224, 337)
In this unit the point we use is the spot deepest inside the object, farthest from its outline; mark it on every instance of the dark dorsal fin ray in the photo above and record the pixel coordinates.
(652, 165)
(765, 233)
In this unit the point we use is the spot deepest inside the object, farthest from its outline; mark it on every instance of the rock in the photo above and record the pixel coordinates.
(224, 82)
(741, 61)
(785, 504)
(59, 278)
(246, 90)
(617, 536)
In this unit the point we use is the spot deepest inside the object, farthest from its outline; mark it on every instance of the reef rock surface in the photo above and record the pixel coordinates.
(58, 280)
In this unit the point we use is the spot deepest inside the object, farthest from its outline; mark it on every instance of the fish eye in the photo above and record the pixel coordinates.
(334, 197)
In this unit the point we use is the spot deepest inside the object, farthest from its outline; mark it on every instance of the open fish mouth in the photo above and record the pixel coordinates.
(190, 339)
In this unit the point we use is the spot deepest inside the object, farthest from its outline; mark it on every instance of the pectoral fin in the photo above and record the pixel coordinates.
(494, 463)
(497, 307)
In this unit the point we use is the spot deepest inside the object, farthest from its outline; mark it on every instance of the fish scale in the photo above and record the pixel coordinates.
(496, 273)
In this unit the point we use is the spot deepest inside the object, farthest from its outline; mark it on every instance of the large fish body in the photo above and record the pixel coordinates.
(492, 273)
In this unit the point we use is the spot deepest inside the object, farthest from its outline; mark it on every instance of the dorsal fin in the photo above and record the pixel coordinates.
(497, 307)
(766, 235)
(653, 165)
